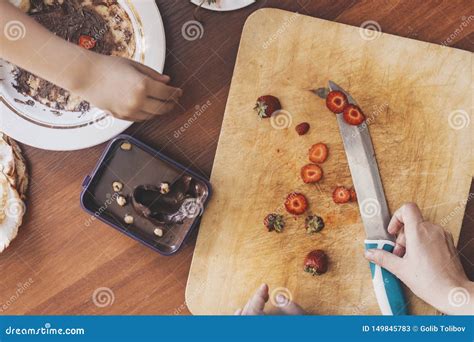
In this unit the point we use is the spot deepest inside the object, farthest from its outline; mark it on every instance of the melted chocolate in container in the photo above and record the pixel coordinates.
(164, 199)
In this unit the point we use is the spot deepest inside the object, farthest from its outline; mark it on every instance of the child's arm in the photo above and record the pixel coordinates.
(129, 90)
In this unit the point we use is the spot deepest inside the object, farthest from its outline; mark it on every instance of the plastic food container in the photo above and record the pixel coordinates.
(145, 195)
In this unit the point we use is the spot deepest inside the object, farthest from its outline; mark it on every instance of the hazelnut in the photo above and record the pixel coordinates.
(128, 219)
(164, 188)
(158, 232)
(121, 201)
(126, 146)
(117, 186)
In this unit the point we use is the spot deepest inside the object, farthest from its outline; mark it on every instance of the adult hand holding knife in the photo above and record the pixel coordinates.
(405, 247)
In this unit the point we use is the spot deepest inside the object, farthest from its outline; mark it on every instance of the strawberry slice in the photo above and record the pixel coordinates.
(341, 195)
(318, 153)
(296, 203)
(87, 42)
(266, 105)
(336, 101)
(311, 173)
(353, 115)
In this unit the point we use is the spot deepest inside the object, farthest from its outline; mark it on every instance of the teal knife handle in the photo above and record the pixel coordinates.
(388, 289)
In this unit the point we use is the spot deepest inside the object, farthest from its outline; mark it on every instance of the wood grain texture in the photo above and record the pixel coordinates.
(68, 261)
(419, 152)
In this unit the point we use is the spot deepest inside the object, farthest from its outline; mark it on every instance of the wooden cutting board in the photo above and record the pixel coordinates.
(418, 98)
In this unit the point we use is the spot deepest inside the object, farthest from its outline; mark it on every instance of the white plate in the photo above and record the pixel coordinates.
(37, 125)
(224, 5)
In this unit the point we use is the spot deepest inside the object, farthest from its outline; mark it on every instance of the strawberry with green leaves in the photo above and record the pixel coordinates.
(267, 105)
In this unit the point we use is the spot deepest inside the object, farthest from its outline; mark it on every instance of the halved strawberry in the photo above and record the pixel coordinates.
(341, 195)
(311, 173)
(353, 195)
(266, 105)
(296, 203)
(353, 115)
(336, 101)
(318, 153)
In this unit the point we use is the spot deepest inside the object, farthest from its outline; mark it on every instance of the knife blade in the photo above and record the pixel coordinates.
(372, 206)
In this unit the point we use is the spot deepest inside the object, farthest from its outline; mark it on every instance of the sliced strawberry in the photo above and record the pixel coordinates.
(318, 153)
(336, 101)
(353, 115)
(296, 203)
(311, 173)
(353, 195)
(341, 195)
(266, 105)
(87, 42)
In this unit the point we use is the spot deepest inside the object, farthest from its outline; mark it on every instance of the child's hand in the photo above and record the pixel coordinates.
(127, 89)
(426, 260)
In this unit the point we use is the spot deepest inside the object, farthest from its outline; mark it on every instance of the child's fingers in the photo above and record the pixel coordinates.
(256, 304)
(157, 107)
(152, 73)
(163, 92)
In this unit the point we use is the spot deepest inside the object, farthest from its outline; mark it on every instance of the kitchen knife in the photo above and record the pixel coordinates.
(373, 208)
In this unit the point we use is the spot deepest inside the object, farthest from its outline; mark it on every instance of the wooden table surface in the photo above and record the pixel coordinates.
(62, 263)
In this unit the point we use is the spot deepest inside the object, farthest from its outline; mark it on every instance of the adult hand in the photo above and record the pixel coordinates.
(426, 260)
